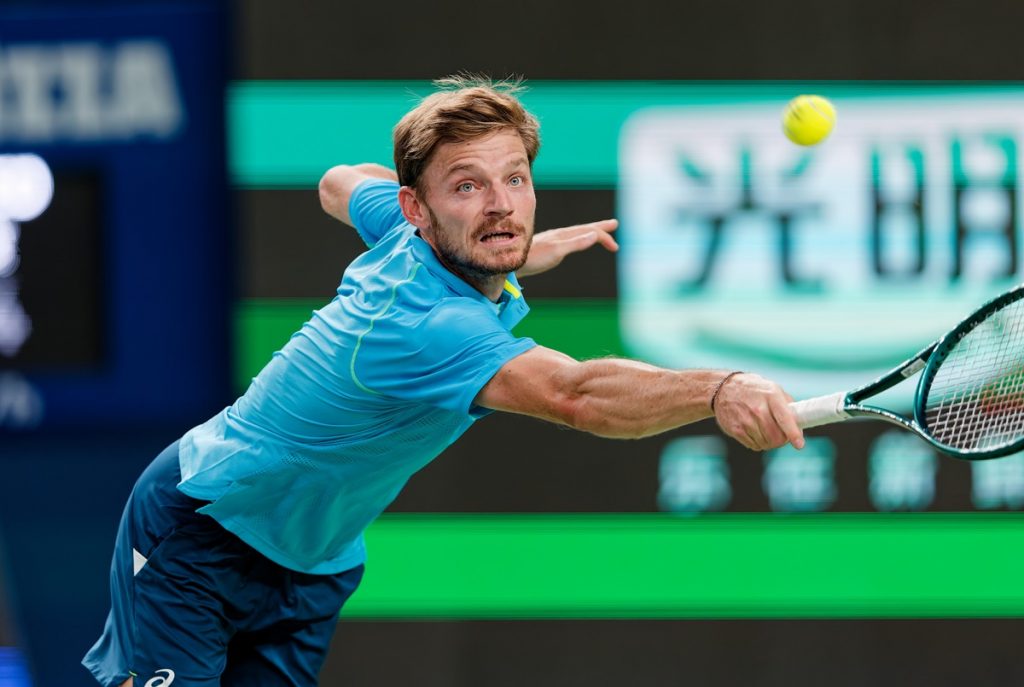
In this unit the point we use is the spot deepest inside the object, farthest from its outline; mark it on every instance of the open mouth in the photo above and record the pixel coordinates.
(497, 237)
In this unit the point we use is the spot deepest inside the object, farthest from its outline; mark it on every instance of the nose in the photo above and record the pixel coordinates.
(499, 202)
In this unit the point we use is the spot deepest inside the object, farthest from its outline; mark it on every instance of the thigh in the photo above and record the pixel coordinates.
(165, 621)
(289, 648)
(289, 657)
(180, 625)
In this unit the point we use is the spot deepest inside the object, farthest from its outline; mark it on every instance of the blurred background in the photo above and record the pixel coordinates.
(161, 236)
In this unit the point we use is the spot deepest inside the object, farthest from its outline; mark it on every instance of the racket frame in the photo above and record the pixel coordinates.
(942, 348)
(926, 361)
(853, 406)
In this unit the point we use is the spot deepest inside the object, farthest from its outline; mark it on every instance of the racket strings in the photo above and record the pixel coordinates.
(976, 397)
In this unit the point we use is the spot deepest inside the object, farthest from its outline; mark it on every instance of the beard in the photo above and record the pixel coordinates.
(460, 259)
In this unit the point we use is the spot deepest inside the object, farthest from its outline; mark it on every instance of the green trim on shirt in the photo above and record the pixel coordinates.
(359, 341)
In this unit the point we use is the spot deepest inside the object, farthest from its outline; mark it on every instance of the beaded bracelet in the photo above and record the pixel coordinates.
(718, 388)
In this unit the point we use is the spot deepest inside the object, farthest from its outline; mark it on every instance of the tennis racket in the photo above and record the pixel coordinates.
(969, 401)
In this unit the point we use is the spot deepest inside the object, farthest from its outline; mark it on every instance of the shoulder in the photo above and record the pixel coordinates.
(373, 209)
(372, 188)
(461, 315)
(419, 313)
(430, 310)
(388, 263)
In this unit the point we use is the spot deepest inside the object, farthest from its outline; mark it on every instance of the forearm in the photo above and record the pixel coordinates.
(372, 169)
(629, 399)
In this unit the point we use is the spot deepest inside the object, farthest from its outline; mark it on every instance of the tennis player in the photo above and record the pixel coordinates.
(242, 540)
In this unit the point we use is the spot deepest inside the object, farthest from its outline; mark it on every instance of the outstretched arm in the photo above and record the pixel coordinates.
(337, 185)
(550, 247)
(628, 399)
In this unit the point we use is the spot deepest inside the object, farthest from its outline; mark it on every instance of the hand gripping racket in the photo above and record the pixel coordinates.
(969, 401)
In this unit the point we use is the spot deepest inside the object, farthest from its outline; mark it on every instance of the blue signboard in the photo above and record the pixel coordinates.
(114, 285)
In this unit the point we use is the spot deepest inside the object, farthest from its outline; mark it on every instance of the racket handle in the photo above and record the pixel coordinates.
(822, 410)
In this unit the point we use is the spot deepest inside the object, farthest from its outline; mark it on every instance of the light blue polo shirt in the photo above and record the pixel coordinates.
(373, 387)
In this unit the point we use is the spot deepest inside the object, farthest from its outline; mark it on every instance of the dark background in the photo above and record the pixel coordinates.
(65, 240)
(644, 39)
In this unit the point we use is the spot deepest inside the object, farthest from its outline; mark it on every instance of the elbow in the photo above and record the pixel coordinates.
(572, 406)
(567, 403)
(329, 188)
(571, 409)
(581, 413)
(574, 401)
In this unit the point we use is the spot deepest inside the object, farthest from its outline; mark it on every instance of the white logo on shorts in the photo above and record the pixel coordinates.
(161, 680)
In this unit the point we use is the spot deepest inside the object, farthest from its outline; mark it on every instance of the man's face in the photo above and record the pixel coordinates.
(480, 202)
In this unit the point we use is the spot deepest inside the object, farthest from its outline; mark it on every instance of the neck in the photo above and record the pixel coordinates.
(490, 285)
(492, 288)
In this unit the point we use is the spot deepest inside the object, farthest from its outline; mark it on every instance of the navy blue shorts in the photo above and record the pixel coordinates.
(192, 604)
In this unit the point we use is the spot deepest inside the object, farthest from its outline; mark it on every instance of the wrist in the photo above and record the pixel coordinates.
(718, 388)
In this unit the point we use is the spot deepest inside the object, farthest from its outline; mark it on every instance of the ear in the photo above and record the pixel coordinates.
(413, 209)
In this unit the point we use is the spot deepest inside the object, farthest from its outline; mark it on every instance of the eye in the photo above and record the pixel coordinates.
(516, 181)
(465, 187)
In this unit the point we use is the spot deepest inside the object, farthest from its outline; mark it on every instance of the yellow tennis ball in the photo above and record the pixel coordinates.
(808, 119)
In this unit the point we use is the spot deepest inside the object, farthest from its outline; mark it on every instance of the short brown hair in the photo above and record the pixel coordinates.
(468, 106)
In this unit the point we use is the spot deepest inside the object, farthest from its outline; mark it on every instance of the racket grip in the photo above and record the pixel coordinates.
(822, 410)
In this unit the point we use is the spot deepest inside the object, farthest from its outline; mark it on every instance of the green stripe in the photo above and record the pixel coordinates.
(287, 134)
(579, 327)
(262, 327)
(727, 566)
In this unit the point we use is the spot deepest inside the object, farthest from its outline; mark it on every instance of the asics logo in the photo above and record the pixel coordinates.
(164, 677)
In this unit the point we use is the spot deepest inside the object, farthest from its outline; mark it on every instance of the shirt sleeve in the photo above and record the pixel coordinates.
(444, 361)
(373, 207)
